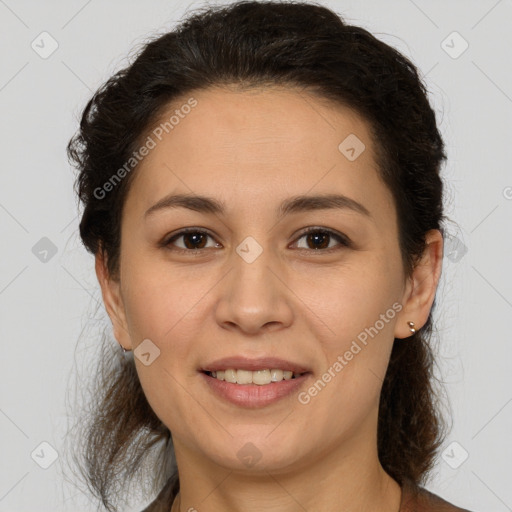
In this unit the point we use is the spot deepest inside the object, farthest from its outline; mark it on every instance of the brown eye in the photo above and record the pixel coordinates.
(317, 239)
(193, 239)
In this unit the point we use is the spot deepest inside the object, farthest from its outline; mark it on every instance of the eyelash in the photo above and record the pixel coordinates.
(343, 240)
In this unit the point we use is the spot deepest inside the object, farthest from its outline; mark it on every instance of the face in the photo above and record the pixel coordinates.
(316, 283)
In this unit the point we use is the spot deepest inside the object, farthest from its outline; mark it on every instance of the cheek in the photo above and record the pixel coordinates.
(354, 312)
(348, 299)
(158, 298)
(159, 307)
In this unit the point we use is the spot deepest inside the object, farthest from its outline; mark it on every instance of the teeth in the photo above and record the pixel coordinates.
(230, 376)
(244, 377)
(259, 377)
(276, 375)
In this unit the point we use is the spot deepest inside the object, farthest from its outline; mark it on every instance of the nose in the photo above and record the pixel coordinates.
(254, 296)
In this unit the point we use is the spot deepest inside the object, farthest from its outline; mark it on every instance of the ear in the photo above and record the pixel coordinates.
(111, 293)
(421, 286)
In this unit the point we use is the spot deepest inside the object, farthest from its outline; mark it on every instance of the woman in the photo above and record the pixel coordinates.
(262, 195)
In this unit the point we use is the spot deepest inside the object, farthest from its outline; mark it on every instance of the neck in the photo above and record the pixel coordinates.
(349, 478)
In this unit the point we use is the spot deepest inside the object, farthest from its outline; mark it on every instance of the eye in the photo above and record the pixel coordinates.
(193, 239)
(318, 239)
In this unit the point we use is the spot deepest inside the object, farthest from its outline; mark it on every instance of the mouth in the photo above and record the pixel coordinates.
(254, 389)
(263, 377)
(254, 383)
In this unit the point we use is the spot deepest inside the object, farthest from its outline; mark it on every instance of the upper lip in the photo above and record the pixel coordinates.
(261, 363)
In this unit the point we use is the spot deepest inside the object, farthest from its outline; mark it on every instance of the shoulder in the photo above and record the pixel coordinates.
(418, 499)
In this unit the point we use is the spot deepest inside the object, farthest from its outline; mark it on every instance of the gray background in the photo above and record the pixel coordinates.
(46, 299)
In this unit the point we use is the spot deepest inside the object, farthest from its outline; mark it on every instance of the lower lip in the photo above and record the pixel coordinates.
(252, 395)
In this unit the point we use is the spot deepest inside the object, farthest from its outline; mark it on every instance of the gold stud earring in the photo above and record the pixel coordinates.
(411, 327)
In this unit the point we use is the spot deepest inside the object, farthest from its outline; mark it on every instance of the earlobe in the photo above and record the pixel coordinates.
(112, 299)
(421, 287)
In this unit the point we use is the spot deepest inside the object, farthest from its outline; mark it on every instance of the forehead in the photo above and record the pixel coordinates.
(257, 143)
(255, 122)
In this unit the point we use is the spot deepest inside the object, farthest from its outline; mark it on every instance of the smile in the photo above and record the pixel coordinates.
(243, 393)
(259, 377)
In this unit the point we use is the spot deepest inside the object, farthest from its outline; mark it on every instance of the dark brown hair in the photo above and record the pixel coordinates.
(257, 44)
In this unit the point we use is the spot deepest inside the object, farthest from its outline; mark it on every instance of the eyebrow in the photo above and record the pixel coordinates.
(295, 204)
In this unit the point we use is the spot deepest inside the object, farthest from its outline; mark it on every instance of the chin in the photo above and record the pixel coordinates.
(257, 454)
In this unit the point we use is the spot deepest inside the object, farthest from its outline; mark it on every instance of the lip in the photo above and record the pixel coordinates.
(261, 363)
(253, 396)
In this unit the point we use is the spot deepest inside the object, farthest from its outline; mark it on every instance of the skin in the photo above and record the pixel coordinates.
(252, 150)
